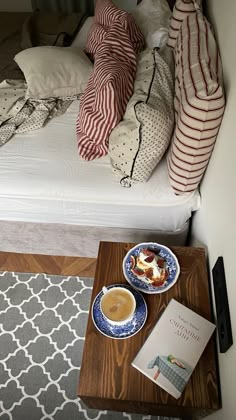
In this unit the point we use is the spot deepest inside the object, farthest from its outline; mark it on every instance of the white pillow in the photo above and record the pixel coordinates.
(54, 71)
(151, 16)
(81, 37)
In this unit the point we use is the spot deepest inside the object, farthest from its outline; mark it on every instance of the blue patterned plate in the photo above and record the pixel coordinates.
(138, 283)
(120, 331)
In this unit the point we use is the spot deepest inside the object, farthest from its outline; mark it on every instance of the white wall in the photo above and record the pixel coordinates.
(15, 6)
(215, 223)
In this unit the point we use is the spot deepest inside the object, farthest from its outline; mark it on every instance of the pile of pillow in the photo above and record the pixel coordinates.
(114, 42)
(199, 98)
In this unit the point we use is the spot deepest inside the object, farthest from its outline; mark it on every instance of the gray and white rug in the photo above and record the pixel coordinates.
(43, 320)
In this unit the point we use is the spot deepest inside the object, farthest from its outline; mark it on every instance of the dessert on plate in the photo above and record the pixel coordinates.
(150, 267)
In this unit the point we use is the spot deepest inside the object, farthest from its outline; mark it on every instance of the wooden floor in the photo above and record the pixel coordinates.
(84, 267)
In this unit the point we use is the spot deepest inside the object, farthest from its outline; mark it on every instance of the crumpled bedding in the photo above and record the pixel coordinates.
(20, 115)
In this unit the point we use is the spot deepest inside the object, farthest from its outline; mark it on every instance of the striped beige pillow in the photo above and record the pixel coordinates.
(181, 10)
(199, 103)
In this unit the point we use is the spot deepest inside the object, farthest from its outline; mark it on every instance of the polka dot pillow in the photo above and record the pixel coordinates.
(139, 142)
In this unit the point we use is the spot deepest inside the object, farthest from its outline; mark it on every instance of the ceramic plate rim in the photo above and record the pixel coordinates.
(146, 312)
(152, 292)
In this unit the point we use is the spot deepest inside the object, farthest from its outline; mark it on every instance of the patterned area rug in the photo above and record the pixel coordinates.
(42, 326)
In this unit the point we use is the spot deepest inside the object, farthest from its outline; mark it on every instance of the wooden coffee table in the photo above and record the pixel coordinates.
(107, 379)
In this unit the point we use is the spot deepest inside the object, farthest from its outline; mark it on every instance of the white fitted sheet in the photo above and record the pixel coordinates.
(42, 179)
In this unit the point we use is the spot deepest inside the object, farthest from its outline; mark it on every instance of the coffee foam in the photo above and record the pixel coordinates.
(117, 304)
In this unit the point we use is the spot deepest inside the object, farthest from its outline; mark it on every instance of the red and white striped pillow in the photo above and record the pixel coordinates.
(110, 86)
(199, 103)
(106, 13)
(181, 10)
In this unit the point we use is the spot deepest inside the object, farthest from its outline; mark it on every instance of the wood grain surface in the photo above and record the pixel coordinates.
(30, 263)
(107, 379)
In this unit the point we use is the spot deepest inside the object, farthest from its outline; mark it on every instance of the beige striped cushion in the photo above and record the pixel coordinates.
(181, 10)
(199, 103)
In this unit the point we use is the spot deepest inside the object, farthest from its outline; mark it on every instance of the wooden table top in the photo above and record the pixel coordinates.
(107, 379)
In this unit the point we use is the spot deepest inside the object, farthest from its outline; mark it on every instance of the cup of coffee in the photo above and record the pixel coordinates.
(117, 305)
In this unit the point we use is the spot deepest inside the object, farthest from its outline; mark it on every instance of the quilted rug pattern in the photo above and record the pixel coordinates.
(43, 320)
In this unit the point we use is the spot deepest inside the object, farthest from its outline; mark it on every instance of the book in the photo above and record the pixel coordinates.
(172, 350)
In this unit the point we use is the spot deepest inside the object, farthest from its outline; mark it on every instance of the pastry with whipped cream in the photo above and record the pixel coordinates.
(150, 267)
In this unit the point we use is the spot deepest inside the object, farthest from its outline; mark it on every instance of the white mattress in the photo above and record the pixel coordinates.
(42, 179)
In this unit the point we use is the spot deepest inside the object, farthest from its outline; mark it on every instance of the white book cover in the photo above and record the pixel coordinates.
(172, 350)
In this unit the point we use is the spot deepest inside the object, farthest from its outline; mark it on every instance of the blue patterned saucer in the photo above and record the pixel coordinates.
(137, 282)
(132, 327)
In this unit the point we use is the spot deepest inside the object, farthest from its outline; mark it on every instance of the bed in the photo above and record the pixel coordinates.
(55, 202)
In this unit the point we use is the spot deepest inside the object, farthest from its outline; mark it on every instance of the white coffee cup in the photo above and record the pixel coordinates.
(117, 305)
